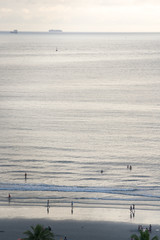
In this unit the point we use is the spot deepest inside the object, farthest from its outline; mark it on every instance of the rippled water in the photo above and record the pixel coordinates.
(67, 115)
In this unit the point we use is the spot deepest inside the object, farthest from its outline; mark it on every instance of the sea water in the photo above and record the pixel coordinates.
(75, 111)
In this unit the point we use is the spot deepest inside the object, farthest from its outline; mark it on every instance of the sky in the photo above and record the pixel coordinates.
(81, 15)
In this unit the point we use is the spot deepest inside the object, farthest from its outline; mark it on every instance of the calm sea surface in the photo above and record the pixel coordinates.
(67, 115)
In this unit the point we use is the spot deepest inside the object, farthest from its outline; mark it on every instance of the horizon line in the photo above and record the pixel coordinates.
(62, 32)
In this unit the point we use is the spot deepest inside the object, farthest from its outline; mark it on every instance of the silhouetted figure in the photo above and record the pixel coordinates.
(25, 176)
(49, 228)
(150, 227)
(48, 210)
(132, 211)
(48, 206)
(72, 207)
(140, 227)
(101, 171)
(65, 238)
(71, 210)
(9, 197)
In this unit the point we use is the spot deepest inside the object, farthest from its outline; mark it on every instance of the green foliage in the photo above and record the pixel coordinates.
(143, 236)
(39, 233)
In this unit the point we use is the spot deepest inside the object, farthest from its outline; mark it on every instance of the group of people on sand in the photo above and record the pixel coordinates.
(141, 228)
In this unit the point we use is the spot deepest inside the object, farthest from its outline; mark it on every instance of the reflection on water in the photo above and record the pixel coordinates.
(72, 120)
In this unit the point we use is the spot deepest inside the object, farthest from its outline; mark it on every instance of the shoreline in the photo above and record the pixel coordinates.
(112, 213)
(87, 222)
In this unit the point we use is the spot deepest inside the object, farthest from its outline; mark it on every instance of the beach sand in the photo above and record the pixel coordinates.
(84, 223)
(12, 229)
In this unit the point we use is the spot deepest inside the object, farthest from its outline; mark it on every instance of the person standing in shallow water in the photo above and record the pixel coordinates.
(25, 176)
(9, 197)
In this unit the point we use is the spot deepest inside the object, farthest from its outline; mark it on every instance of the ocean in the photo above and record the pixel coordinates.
(75, 118)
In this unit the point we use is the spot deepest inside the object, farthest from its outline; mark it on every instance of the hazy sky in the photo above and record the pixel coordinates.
(80, 15)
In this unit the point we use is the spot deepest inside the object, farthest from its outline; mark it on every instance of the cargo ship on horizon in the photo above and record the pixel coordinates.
(14, 31)
(55, 31)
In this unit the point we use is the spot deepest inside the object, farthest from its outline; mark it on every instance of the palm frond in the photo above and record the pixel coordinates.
(39, 233)
(135, 237)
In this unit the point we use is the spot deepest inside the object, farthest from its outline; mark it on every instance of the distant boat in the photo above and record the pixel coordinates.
(14, 31)
(55, 31)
